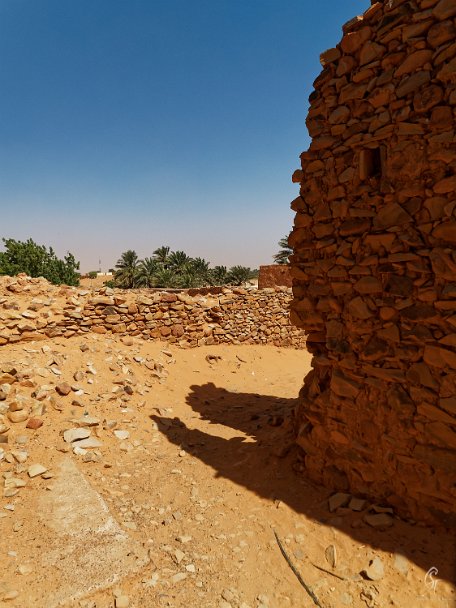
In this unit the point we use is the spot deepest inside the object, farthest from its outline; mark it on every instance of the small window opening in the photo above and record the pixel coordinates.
(370, 163)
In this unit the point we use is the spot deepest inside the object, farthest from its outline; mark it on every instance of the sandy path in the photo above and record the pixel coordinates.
(188, 502)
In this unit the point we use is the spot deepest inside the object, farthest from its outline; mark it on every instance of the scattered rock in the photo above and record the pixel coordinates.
(375, 571)
(379, 520)
(331, 555)
(36, 469)
(34, 423)
(338, 500)
(122, 435)
(63, 389)
(401, 563)
(18, 416)
(357, 504)
(76, 434)
(88, 444)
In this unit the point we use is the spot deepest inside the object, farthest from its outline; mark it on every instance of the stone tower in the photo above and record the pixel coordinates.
(374, 263)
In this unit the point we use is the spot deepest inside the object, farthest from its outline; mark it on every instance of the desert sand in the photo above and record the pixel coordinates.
(160, 476)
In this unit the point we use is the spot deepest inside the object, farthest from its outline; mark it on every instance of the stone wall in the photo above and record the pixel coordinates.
(274, 275)
(32, 309)
(374, 261)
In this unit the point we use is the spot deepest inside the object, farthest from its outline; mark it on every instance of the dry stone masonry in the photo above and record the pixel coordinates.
(32, 309)
(374, 264)
(274, 275)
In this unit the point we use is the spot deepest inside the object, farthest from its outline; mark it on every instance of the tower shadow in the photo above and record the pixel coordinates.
(268, 463)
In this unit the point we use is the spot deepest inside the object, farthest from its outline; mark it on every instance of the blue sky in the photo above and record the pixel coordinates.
(130, 124)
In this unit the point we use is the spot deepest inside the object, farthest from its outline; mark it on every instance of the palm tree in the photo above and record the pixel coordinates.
(282, 256)
(200, 269)
(161, 255)
(127, 269)
(188, 279)
(164, 277)
(147, 269)
(219, 275)
(177, 261)
(238, 275)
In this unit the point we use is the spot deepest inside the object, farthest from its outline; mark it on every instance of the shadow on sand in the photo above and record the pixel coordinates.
(267, 466)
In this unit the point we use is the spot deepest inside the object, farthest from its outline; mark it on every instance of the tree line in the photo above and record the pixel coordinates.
(174, 269)
(38, 261)
(164, 269)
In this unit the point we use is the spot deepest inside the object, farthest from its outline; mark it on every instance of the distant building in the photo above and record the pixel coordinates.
(274, 275)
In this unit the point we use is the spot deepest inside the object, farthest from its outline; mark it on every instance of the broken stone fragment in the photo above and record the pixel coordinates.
(34, 423)
(87, 421)
(18, 416)
(20, 455)
(401, 563)
(16, 406)
(122, 434)
(331, 555)
(36, 469)
(379, 520)
(338, 500)
(63, 389)
(357, 504)
(76, 434)
(88, 444)
(375, 570)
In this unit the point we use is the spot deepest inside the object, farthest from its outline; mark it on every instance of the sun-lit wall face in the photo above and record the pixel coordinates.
(186, 318)
(374, 261)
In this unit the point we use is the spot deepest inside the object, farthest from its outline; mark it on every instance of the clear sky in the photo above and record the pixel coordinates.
(130, 124)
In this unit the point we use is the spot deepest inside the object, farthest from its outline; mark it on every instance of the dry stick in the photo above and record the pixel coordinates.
(296, 573)
(341, 578)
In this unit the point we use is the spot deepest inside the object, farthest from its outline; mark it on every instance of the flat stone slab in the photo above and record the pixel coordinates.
(85, 549)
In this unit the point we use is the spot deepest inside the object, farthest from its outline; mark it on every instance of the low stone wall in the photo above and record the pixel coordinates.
(274, 275)
(32, 309)
(374, 261)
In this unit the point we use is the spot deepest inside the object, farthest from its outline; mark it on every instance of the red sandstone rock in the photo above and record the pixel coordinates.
(351, 42)
(34, 423)
(445, 185)
(374, 261)
(329, 56)
(444, 9)
(63, 388)
(446, 232)
(413, 61)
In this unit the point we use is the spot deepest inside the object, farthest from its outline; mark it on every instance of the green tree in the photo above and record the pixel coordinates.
(283, 254)
(178, 261)
(238, 275)
(161, 255)
(165, 277)
(127, 270)
(38, 261)
(92, 274)
(146, 274)
(218, 275)
(198, 268)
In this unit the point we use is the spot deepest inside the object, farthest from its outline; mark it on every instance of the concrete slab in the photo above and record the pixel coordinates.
(84, 549)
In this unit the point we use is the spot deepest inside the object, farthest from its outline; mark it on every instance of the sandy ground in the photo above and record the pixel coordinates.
(180, 508)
